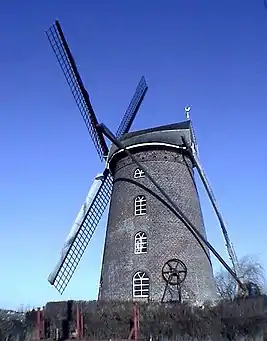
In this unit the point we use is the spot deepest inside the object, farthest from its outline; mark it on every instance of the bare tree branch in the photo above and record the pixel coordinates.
(250, 271)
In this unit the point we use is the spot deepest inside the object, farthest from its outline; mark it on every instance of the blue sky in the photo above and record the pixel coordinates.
(208, 54)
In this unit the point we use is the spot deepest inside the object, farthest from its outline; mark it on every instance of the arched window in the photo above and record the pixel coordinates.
(140, 243)
(140, 205)
(140, 284)
(139, 173)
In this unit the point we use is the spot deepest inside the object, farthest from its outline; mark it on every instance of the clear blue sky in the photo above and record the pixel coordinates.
(209, 54)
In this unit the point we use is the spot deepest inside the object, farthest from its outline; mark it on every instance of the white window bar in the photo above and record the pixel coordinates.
(140, 205)
(140, 243)
(139, 173)
(140, 284)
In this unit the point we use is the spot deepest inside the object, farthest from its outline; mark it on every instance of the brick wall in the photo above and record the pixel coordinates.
(167, 236)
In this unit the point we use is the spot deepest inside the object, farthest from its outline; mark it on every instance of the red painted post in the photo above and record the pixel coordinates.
(138, 320)
(135, 322)
(43, 324)
(38, 324)
(78, 322)
(82, 325)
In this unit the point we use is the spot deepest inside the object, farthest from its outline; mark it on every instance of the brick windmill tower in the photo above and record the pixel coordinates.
(151, 252)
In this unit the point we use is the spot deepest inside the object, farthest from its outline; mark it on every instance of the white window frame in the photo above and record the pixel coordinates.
(141, 285)
(140, 205)
(140, 242)
(139, 173)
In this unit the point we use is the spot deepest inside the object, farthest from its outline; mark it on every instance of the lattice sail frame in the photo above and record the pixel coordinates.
(133, 107)
(66, 61)
(72, 255)
(91, 212)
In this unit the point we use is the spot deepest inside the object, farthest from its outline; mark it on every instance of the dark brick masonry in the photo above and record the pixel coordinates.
(167, 236)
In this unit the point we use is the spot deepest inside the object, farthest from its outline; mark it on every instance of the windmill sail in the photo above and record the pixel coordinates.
(82, 230)
(100, 192)
(60, 47)
(133, 107)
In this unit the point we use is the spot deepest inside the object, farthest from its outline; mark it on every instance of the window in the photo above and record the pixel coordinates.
(140, 243)
(140, 284)
(140, 205)
(139, 173)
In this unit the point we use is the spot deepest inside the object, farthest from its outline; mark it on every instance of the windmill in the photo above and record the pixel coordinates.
(155, 246)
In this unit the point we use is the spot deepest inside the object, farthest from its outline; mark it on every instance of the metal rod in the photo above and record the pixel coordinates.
(179, 213)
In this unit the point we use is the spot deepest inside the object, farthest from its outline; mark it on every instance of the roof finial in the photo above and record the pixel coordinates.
(187, 112)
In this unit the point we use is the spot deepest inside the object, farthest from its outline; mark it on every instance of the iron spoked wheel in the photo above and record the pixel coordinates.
(174, 271)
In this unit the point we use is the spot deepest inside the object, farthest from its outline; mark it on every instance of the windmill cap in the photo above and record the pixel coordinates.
(167, 136)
